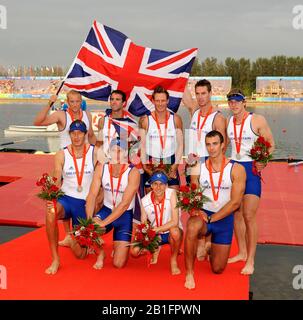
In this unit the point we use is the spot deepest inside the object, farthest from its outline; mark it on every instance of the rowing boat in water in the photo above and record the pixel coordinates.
(52, 130)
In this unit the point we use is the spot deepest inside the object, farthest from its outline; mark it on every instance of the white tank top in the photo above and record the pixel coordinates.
(106, 185)
(248, 138)
(150, 210)
(225, 188)
(64, 134)
(153, 143)
(196, 146)
(70, 182)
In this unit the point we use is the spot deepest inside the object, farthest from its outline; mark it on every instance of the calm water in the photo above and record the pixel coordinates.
(285, 121)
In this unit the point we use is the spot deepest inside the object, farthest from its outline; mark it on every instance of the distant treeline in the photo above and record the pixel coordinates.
(244, 71)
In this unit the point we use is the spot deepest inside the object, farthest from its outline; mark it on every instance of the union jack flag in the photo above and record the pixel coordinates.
(109, 60)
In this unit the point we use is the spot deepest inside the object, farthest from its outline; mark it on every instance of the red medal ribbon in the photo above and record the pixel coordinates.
(79, 176)
(122, 169)
(210, 169)
(199, 129)
(238, 143)
(161, 209)
(162, 141)
(72, 115)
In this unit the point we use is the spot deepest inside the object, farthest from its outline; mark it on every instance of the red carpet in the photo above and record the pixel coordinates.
(19, 204)
(27, 257)
(280, 218)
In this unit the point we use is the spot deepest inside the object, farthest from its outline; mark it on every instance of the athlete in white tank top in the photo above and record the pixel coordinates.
(70, 183)
(197, 140)
(64, 134)
(113, 197)
(150, 210)
(225, 187)
(153, 142)
(248, 139)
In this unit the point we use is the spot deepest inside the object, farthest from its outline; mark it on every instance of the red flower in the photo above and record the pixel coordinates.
(145, 243)
(54, 188)
(151, 234)
(55, 179)
(186, 201)
(184, 189)
(139, 236)
(193, 186)
(261, 140)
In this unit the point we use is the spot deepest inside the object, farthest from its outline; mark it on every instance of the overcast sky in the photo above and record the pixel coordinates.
(45, 32)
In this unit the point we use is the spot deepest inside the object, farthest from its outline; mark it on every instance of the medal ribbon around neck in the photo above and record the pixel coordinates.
(162, 140)
(216, 194)
(238, 143)
(122, 169)
(72, 115)
(199, 129)
(79, 175)
(161, 209)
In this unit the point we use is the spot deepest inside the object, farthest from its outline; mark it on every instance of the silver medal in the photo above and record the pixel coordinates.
(215, 204)
(238, 156)
(79, 189)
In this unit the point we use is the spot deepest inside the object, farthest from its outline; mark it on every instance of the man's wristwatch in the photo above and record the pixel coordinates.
(208, 219)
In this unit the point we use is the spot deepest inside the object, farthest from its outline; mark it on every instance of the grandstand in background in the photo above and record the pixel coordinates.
(279, 89)
(44, 87)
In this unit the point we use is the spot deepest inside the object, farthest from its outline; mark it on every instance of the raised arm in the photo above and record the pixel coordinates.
(94, 191)
(43, 119)
(237, 191)
(130, 192)
(188, 101)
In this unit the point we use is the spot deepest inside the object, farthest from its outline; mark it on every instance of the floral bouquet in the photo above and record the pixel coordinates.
(259, 153)
(191, 160)
(49, 192)
(87, 234)
(191, 198)
(146, 238)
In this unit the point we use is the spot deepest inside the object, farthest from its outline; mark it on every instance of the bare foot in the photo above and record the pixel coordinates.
(248, 269)
(53, 268)
(174, 267)
(100, 261)
(66, 242)
(237, 258)
(190, 282)
(155, 256)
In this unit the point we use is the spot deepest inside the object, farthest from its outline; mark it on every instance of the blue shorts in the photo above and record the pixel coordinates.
(123, 226)
(164, 238)
(253, 182)
(221, 231)
(73, 208)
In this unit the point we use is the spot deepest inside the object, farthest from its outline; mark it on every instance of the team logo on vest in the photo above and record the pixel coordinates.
(205, 184)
